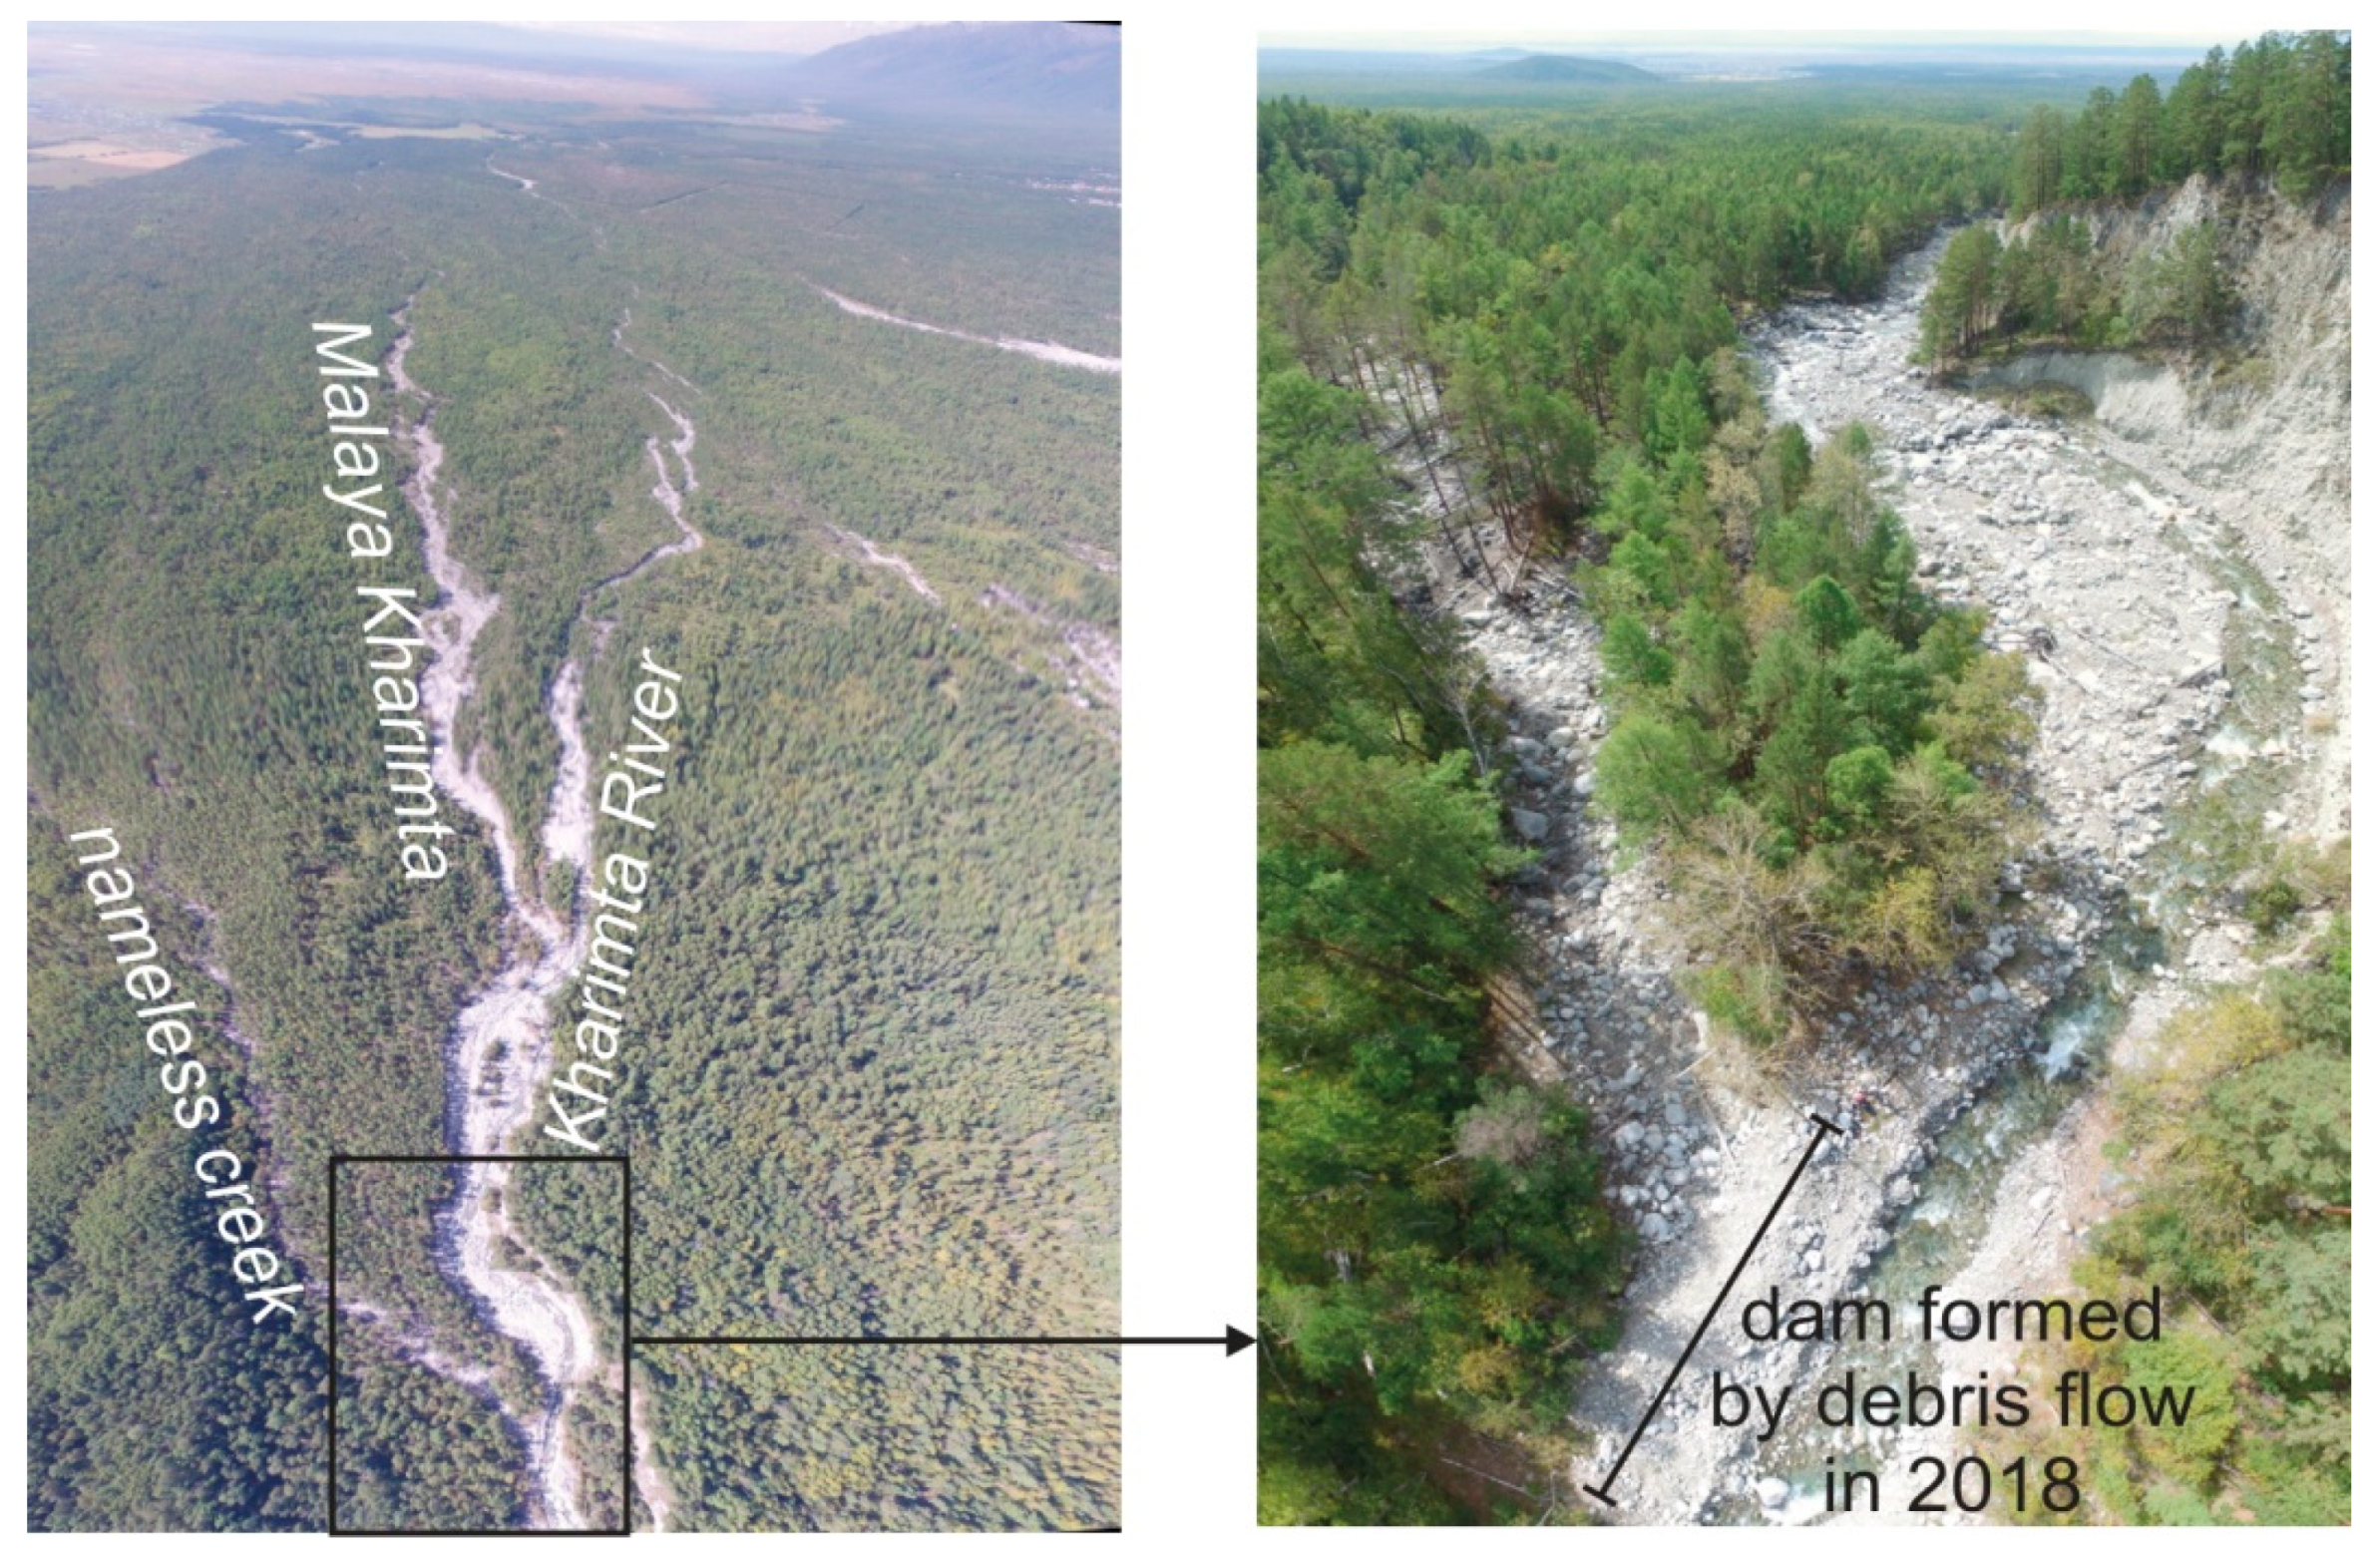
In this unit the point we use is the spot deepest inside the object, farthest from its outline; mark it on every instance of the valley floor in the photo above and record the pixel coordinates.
(2189, 653)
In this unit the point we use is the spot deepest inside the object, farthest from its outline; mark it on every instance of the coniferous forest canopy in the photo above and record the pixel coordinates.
(1543, 272)
(867, 1080)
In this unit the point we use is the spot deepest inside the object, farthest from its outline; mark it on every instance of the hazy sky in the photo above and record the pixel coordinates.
(1686, 40)
(766, 37)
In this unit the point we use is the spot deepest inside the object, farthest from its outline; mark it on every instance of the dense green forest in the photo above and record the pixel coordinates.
(869, 1080)
(2275, 108)
(1426, 1224)
(878, 1092)
(2241, 1138)
(124, 1278)
(195, 680)
(893, 1438)
(420, 1451)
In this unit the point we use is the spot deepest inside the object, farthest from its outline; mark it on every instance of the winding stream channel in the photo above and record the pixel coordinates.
(500, 1048)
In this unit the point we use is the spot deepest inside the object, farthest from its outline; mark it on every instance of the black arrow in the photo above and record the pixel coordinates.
(1602, 1492)
(1231, 1338)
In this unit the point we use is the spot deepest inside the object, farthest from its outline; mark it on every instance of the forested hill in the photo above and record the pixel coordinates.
(1568, 67)
(1042, 68)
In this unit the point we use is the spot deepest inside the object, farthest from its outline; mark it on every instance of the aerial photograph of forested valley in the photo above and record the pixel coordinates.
(575, 668)
(1804, 804)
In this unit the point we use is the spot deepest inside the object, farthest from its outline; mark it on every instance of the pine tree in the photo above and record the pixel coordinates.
(2040, 152)
(2138, 123)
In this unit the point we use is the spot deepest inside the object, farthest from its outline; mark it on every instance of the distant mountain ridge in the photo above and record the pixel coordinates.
(1567, 67)
(1051, 68)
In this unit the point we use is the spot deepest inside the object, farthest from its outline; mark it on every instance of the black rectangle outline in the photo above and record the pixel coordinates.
(627, 1398)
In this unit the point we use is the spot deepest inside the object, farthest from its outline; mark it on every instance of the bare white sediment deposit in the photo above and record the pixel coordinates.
(1048, 351)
